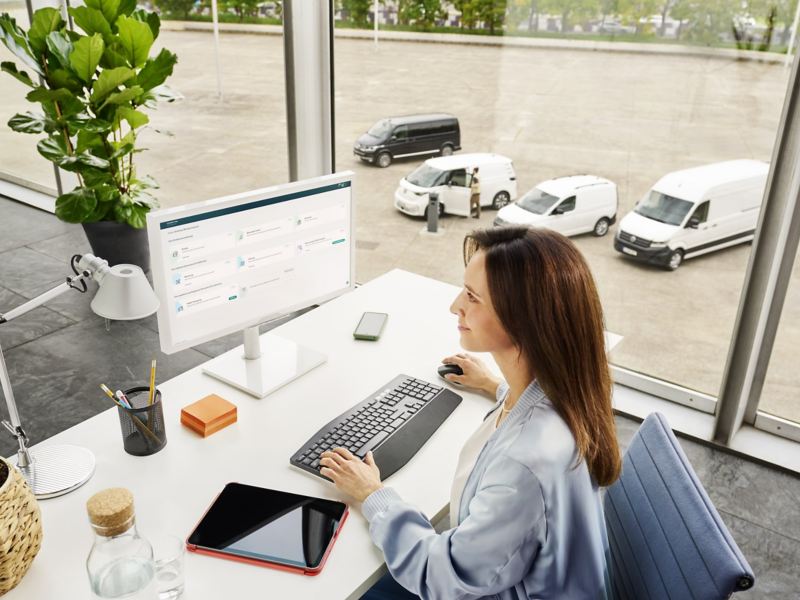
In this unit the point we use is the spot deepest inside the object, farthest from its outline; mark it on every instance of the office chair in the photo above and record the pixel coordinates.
(666, 538)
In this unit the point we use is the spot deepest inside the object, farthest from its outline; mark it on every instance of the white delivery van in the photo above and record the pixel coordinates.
(691, 212)
(449, 176)
(569, 205)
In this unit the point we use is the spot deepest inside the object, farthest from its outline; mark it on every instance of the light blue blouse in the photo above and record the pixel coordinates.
(530, 523)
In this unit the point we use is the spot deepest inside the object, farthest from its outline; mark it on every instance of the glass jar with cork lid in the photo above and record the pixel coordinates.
(120, 563)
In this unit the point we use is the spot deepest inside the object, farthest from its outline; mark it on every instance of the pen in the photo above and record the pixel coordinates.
(123, 399)
(152, 382)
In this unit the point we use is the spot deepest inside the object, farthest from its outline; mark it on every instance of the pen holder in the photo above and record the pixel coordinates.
(142, 426)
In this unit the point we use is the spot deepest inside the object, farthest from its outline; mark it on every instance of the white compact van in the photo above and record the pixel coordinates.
(570, 205)
(449, 176)
(691, 212)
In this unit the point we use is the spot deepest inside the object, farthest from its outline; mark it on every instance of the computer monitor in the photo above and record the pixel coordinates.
(230, 263)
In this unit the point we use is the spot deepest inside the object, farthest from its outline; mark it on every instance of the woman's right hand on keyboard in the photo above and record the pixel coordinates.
(476, 374)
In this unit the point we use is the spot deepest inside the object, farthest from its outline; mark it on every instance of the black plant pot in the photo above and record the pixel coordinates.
(119, 243)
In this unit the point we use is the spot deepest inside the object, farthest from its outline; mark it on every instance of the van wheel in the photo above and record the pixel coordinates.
(500, 200)
(675, 260)
(601, 227)
(384, 160)
(446, 150)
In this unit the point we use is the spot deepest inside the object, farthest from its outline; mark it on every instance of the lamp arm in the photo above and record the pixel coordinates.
(42, 298)
(89, 265)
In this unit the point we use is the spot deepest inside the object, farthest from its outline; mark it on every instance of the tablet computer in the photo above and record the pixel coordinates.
(269, 528)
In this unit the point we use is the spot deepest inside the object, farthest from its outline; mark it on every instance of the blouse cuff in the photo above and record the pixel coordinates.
(378, 501)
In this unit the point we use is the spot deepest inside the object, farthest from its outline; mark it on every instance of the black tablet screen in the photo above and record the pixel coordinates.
(267, 524)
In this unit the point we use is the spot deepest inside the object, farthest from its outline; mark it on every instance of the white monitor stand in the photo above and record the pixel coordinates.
(268, 363)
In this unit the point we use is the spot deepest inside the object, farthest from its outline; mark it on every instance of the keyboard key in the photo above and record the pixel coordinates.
(362, 452)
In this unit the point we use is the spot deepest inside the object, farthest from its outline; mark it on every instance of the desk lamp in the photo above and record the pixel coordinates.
(124, 294)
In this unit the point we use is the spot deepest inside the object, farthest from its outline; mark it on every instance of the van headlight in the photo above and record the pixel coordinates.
(368, 148)
(658, 244)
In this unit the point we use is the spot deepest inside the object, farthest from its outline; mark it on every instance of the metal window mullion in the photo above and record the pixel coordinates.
(308, 56)
(767, 278)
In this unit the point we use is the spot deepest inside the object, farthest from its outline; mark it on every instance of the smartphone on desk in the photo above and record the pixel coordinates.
(370, 326)
(269, 528)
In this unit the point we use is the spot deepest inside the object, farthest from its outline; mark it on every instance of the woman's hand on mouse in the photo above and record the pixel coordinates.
(355, 477)
(476, 374)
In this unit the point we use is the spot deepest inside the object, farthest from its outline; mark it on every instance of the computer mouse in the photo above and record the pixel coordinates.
(447, 369)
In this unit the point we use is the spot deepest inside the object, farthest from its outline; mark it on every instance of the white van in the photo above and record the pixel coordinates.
(449, 177)
(570, 205)
(694, 211)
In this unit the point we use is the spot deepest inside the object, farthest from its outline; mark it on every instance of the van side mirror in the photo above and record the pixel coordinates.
(449, 183)
(693, 223)
(558, 211)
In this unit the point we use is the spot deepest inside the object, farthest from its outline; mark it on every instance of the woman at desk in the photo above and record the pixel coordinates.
(526, 518)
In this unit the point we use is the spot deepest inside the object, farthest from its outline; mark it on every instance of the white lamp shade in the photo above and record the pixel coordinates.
(124, 294)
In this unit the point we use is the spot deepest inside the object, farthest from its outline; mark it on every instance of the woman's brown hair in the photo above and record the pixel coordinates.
(545, 297)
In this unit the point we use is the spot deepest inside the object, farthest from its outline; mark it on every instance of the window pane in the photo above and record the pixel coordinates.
(619, 119)
(781, 393)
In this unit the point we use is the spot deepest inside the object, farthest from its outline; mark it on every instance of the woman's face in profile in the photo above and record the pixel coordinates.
(478, 323)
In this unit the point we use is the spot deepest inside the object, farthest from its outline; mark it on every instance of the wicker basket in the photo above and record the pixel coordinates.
(20, 527)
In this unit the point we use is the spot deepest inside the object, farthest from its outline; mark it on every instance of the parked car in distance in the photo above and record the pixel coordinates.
(616, 28)
(450, 178)
(412, 135)
(694, 211)
(570, 205)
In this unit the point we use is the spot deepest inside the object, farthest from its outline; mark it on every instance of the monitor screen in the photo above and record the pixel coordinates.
(230, 263)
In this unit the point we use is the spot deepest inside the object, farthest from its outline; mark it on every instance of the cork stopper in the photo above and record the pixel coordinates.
(111, 511)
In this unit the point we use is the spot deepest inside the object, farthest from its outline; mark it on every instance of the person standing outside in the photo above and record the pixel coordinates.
(475, 194)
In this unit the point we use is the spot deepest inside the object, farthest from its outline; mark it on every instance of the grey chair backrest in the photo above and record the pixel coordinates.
(666, 539)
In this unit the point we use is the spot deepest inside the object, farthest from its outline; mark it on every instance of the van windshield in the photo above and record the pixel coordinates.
(663, 208)
(425, 176)
(381, 130)
(537, 201)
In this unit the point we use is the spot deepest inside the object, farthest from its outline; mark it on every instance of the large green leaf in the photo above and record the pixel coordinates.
(109, 8)
(60, 47)
(86, 56)
(91, 21)
(151, 18)
(68, 104)
(90, 140)
(80, 162)
(62, 78)
(45, 21)
(113, 57)
(156, 70)
(108, 81)
(30, 123)
(14, 39)
(124, 96)
(76, 206)
(127, 7)
(134, 117)
(53, 148)
(97, 126)
(11, 69)
(136, 39)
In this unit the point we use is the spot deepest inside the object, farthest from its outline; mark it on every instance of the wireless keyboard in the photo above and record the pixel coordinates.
(394, 422)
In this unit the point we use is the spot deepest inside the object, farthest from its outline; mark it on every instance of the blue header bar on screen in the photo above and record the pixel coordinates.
(250, 205)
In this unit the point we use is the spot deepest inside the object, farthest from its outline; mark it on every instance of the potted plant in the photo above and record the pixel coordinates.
(92, 87)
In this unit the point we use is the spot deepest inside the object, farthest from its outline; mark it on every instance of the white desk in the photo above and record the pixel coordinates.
(173, 488)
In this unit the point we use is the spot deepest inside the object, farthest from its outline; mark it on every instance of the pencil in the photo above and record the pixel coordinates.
(152, 382)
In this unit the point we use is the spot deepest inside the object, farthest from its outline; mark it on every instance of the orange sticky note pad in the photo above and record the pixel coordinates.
(208, 415)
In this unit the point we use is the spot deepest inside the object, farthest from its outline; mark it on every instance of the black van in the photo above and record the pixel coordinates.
(412, 135)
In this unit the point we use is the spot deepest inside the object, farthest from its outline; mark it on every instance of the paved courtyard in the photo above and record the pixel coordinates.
(628, 117)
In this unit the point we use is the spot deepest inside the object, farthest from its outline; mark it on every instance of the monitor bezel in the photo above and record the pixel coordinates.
(169, 344)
